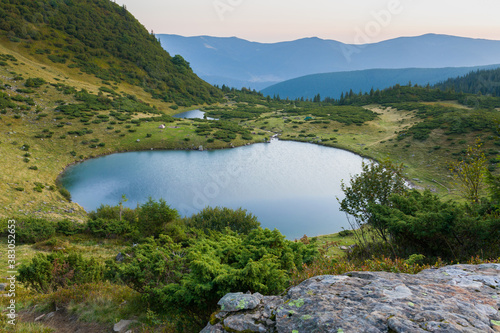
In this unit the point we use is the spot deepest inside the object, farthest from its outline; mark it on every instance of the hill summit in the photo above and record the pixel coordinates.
(102, 38)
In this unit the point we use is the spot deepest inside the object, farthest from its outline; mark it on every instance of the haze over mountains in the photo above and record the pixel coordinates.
(240, 63)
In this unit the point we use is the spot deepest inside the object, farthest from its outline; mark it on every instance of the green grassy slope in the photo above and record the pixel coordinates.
(99, 37)
(73, 94)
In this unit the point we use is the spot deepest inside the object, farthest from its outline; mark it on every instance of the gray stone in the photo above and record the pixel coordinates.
(3, 286)
(123, 325)
(239, 301)
(244, 322)
(49, 315)
(217, 328)
(119, 257)
(459, 298)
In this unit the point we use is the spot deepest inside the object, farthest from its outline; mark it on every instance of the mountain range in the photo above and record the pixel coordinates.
(334, 84)
(240, 63)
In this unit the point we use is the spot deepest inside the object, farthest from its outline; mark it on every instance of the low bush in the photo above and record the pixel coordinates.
(189, 281)
(46, 273)
(30, 230)
(108, 228)
(68, 227)
(220, 218)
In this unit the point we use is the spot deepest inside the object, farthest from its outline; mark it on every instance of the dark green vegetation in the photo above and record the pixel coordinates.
(179, 271)
(408, 222)
(483, 82)
(101, 38)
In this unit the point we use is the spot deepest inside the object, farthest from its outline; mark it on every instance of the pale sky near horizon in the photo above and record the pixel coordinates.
(353, 22)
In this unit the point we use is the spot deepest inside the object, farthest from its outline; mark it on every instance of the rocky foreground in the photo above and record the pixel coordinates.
(459, 298)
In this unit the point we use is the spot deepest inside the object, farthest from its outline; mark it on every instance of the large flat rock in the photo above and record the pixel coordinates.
(459, 298)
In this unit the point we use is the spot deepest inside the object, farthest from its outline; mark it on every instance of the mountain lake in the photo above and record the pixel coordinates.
(291, 186)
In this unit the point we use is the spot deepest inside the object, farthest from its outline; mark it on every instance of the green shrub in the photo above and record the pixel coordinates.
(422, 223)
(345, 233)
(220, 218)
(31, 230)
(108, 212)
(46, 273)
(57, 59)
(154, 216)
(38, 187)
(68, 227)
(35, 82)
(190, 281)
(108, 228)
(64, 192)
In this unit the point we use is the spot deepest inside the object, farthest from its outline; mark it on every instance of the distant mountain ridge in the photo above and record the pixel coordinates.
(334, 84)
(237, 62)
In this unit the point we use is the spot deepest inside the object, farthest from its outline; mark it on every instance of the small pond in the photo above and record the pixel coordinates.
(192, 114)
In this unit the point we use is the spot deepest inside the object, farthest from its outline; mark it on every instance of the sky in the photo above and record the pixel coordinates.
(352, 22)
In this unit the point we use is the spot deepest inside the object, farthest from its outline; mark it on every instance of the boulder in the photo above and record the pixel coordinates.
(458, 298)
(123, 325)
(239, 301)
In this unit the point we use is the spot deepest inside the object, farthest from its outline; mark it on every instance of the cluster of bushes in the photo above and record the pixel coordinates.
(389, 219)
(452, 120)
(422, 223)
(225, 130)
(244, 111)
(49, 272)
(343, 114)
(34, 82)
(189, 281)
(182, 266)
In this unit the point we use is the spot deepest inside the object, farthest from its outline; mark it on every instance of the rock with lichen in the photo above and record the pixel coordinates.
(459, 298)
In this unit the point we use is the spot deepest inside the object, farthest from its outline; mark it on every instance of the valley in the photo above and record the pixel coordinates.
(80, 80)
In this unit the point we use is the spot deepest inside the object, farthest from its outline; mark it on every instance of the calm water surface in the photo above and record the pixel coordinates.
(192, 114)
(290, 186)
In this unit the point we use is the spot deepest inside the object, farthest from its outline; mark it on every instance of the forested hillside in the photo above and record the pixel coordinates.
(485, 82)
(333, 84)
(104, 39)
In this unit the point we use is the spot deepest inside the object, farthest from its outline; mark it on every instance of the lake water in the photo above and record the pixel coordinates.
(192, 114)
(290, 186)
